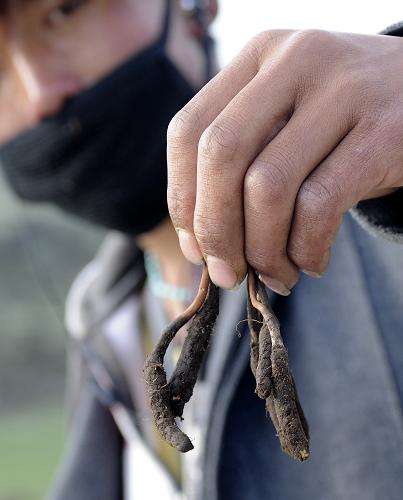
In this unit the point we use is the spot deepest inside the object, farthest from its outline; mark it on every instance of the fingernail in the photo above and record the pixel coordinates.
(221, 273)
(275, 285)
(189, 247)
(312, 274)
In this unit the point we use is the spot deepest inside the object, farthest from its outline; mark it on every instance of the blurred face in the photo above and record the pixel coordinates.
(52, 49)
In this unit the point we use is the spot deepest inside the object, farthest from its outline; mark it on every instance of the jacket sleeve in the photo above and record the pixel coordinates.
(384, 216)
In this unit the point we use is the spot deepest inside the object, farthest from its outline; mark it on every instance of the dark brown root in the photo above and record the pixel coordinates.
(194, 348)
(274, 381)
(269, 364)
(160, 396)
(260, 344)
(264, 370)
(271, 411)
(159, 391)
(292, 436)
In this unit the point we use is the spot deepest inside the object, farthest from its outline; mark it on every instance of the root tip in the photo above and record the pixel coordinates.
(185, 446)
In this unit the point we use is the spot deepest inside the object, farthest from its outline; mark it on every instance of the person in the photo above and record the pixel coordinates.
(88, 89)
(87, 134)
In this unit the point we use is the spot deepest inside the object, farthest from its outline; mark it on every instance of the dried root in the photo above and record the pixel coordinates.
(274, 381)
(268, 360)
(194, 348)
(167, 400)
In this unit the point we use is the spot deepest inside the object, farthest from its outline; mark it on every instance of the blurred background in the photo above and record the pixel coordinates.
(41, 251)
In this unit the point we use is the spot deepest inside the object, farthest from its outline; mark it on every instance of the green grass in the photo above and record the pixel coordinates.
(30, 448)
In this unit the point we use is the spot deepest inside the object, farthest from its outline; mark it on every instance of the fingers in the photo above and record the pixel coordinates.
(272, 183)
(339, 182)
(226, 150)
(245, 178)
(184, 133)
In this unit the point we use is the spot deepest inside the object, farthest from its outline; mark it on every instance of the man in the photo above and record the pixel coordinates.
(95, 158)
(88, 89)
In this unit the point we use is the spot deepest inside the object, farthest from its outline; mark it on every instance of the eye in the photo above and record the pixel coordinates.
(64, 10)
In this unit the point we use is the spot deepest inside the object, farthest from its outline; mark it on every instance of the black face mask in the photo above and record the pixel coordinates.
(103, 157)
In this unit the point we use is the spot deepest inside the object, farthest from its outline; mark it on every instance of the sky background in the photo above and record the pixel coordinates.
(239, 20)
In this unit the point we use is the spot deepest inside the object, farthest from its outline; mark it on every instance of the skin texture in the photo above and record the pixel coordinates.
(265, 161)
(51, 50)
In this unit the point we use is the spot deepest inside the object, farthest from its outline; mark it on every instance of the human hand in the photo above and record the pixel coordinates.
(267, 158)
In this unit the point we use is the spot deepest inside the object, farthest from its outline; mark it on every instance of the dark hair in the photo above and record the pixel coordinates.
(5, 4)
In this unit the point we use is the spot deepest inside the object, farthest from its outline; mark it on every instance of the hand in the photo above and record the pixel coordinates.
(267, 158)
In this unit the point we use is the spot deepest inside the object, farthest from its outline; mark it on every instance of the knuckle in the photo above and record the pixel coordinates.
(254, 48)
(261, 42)
(318, 215)
(365, 96)
(308, 51)
(269, 178)
(309, 41)
(219, 142)
(183, 127)
(369, 123)
(318, 199)
(260, 39)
